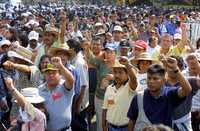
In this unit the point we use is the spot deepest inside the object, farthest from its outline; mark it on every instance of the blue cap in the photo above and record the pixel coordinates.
(110, 46)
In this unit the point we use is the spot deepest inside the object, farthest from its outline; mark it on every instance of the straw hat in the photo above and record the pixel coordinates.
(118, 65)
(57, 47)
(143, 56)
(32, 95)
(13, 54)
(49, 28)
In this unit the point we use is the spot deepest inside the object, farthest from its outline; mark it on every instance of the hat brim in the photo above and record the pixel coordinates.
(54, 50)
(17, 56)
(49, 69)
(136, 61)
(35, 100)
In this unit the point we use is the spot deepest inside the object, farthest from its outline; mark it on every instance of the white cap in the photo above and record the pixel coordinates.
(98, 24)
(33, 35)
(32, 22)
(5, 42)
(118, 28)
(178, 36)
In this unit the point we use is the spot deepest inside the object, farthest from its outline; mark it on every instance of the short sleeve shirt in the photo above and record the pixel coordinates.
(158, 110)
(58, 103)
(117, 102)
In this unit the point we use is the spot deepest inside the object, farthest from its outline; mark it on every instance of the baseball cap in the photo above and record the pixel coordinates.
(33, 35)
(110, 46)
(178, 36)
(140, 44)
(118, 28)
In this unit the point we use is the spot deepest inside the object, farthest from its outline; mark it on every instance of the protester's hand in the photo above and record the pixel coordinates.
(9, 83)
(57, 61)
(171, 63)
(124, 60)
(110, 77)
(8, 65)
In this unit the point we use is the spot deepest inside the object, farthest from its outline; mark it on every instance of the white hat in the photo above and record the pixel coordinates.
(178, 36)
(32, 95)
(32, 22)
(98, 24)
(16, 55)
(118, 28)
(33, 35)
(5, 42)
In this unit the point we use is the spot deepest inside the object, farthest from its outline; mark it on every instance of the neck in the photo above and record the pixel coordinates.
(172, 81)
(155, 93)
(164, 51)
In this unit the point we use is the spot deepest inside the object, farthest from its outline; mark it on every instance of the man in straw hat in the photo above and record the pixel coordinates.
(49, 37)
(58, 90)
(118, 96)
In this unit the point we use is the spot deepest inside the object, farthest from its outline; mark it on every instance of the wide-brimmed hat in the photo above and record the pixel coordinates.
(52, 29)
(57, 47)
(32, 95)
(13, 54)
(50, 67)
(143, 56)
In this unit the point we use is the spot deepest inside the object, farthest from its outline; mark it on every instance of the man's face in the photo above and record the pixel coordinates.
(48, 38)
(117, 35)
(33, 44)
(110, 55)
(52, 77)
(138, 51)
(63, 55)
(124, 51)
(155, 82)
(176, 41)
(114, 17)
(193, 65)
(120, 76)
(166, 42)
(96, 46)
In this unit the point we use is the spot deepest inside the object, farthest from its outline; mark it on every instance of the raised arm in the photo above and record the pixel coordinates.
(185, 87)
(69, 79)
(19, 97)
(181, 45)
(131, 72)
(20, 67)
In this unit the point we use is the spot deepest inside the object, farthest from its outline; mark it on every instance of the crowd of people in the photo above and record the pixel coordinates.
(63, 68)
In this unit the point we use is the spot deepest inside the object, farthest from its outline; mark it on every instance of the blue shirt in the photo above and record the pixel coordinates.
(76, 76)
(59, 104)
(158, 110)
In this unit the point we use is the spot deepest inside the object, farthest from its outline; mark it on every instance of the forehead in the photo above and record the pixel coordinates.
(155, 75)
(51, 72)
(118, 69)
